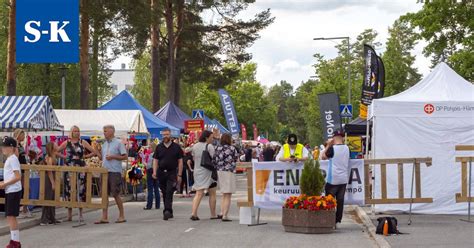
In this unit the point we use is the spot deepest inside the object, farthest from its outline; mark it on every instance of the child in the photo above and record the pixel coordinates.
(12, 186)
(48, 215)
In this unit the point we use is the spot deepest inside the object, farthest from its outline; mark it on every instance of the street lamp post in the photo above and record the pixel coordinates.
(63, 86)
(349, 63)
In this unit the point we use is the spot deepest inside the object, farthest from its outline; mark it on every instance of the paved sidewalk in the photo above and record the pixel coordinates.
(61, 214)
(429, 230)
(148, 229)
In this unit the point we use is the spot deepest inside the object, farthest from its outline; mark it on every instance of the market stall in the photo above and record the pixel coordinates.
(91, 122)
(32, 114)
(125, 101)
(427, 120)
(172, 114)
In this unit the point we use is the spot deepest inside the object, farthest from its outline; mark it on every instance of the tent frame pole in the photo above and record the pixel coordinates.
(411, 191)
(469, 197)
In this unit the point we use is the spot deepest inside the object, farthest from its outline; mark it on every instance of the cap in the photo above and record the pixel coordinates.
(339, 133)
(8, 141)
(292, 139)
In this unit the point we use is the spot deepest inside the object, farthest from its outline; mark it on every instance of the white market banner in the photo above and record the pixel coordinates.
(274, 182)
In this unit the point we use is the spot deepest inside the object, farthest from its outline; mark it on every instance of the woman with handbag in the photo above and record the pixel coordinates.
(203, 152)
(225, 159)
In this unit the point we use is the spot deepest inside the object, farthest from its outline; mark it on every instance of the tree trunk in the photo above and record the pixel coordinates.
(84, 55)
(179, 28)
(11, 61)
(95, 65)
(46, 79)
(155, 56)
(171, 54)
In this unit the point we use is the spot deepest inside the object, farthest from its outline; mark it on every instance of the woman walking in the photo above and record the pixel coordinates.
(48, 216)
(75, 149)
(153, 186)
(202, 176)
(225, 159)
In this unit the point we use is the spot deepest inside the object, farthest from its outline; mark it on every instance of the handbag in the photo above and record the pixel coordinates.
(206, 162)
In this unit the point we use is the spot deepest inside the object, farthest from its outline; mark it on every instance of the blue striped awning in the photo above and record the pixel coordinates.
(28, 112)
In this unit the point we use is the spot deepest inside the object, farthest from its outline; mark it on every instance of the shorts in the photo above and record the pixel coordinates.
(12, 203)
(114, 183)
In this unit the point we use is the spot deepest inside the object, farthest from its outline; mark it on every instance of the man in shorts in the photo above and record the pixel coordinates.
(12, 186)
(113, 152)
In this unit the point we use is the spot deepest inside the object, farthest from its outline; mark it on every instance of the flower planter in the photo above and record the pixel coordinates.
(305, 221)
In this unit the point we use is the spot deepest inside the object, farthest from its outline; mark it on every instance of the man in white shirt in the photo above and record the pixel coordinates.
(12, 186)
(338, 170)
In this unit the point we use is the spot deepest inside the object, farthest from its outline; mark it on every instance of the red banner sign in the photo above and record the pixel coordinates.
(193, 125)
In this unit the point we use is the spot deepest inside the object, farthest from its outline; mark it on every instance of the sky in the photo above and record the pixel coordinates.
(285, 49)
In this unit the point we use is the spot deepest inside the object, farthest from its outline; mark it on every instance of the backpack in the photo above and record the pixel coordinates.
(392, 225)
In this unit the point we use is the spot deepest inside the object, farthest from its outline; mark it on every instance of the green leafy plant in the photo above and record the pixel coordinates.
(312, 180)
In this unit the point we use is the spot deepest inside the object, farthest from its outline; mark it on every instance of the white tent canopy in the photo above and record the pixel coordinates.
(427, 120)
(91, 122)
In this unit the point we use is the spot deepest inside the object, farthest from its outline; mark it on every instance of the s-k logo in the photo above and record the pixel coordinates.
(54, 31)
(429, 108)
(47, 31)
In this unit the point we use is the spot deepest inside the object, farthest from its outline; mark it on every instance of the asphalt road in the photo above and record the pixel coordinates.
(148, 229)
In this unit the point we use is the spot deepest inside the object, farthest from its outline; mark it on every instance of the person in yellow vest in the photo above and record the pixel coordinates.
(293, 151)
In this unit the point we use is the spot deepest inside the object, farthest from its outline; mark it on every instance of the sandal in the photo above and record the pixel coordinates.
(121, 221)
(218, 217)
(101, 222)
(194, 218)
(226, 220)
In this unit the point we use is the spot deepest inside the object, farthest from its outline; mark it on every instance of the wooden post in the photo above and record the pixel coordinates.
(26, 185)
(383, 171)
(418, 180)
(401, 193)
(368, 195)
(89, 187)
(57, 186)
(105, 191)
(73, 185)
(42, 185)
(464, 179)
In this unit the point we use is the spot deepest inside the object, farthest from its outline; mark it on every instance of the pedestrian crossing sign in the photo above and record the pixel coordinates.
(346, 110)
(198, 114)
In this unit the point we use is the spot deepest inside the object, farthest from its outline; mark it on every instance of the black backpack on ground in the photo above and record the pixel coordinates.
(392, 225)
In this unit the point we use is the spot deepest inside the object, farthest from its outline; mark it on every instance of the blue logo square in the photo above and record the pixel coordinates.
(47, 31)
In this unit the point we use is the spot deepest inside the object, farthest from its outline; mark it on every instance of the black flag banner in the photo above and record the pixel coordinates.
(330, 114)
(370, 85)
(380, 78)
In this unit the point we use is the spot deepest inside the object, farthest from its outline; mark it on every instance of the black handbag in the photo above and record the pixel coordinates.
(206, 162)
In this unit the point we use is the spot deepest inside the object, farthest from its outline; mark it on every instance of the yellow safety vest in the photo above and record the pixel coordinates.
(298, 151)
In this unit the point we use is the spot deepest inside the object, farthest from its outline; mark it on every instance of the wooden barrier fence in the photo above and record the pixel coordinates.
(464, 160)
(248, 167)
(400, 162)
(58, 171)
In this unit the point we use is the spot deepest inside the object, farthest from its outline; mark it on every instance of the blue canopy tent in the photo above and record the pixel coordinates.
(125, 101)
(28, 112)
(173, 115)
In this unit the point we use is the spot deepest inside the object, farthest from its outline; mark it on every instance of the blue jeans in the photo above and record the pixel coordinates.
(152, 188)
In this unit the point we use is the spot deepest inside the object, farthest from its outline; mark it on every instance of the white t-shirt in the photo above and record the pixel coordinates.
(338, 167)
(12, 164)
(292, 151)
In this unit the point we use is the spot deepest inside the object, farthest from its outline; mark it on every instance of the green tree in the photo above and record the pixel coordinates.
(312, 179)
(398, 60)
(279, 95)
(447, 26)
